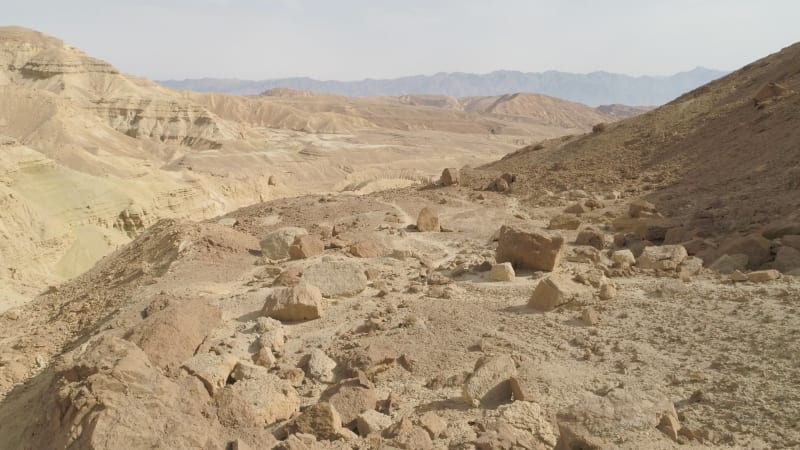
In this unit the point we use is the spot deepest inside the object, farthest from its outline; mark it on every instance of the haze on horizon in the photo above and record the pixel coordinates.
(357, 39)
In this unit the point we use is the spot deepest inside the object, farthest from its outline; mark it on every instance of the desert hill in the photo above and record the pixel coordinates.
(723, 158)
(103, 154)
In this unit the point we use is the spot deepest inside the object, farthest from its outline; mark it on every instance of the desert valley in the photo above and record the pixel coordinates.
(302, 270)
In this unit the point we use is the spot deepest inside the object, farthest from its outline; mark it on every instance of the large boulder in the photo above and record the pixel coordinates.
(662, 257)
(556, 290)
(276, 244)
(428, 220)
(306, 246)
(337, 278)
(260, 400)
(489, 385)
(450, 176)
(536, 250)
(294, 303)
(755, 246)
(787, 259)
(591, 237)
(171, 335)
(108, 395)
(596, 422)
(351, 397)
(727, 264)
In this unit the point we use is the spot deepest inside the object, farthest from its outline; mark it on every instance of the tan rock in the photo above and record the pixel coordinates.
(738, 276)
(450, 176)
(607, 291)
(337, 278)
(351, 397)
(294, 303)
(577, 208)
(321, 419)
(564, 222)
(520, 390)
(556, 290)
(212, 369)
(171, 335)
(276, 244)
(662, 257)
(273, 334)
(368, 249)
(498, 185)
(258, 401)
(433, 424)
(372, 421)
(529, 418)
(265, 358)
(291, 276)
(529, 249)
(489, 382)
(590, 317)
(591, 237)
(306, 246)
(642, 208)
(762, 276)
(428, 220)
(502, 272)
(320, 367)
(406, 435)
(623, 258)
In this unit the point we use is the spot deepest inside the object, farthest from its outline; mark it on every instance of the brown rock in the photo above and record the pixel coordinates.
(258, 401)
(351, 397)
(787, 259)
(294, 304)
(406, 435)
(498, 185)
(488, 385)
(322, 420)
(791, 240)
(450, 176)
(529, 249)
(663, 257)
(428, 220)
(306, 246)
(433, 424)
(592, 237)
(368, 249)
(520, 390)
(556, 290)
(755, 246)
(289, 277)
(762, 276)
(171, 335)
(509, 177)
(590, 317)
(212, 369)
(564, 222)
(372, 421)
(642, 208)
(502, 272)
(727, 264)
(607, 291)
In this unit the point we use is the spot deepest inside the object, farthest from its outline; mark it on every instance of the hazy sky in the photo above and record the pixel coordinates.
(355, 39)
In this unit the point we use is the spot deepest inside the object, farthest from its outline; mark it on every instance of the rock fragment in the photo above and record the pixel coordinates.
(529, 249)
(276, 244)
(450, 176)
(306, 246)
(663, 257)
(428, 220)
(502, 272)
(337, 278)
(372, 421)
(489, 382)
(294, 303)
(556, 290)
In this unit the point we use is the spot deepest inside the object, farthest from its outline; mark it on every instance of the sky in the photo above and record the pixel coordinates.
(357, 39)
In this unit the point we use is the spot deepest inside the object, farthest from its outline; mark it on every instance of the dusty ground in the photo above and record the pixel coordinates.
(721, 352)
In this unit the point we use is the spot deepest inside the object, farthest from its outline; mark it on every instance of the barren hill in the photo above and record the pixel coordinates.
(722, 158)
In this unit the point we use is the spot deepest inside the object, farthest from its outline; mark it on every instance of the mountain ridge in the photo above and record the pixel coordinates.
(593, 88)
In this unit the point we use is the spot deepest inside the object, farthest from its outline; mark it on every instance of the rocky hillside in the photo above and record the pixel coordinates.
(596, 88)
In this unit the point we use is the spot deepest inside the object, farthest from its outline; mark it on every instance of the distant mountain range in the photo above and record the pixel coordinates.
(594, 89)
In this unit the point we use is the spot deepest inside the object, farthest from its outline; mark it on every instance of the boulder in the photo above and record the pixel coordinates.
(762, 276)
(428, 220)
(171, 335)
(529, 419)
(597, 421)
(372, 421)
(607, 291)
(320, 367)
(787, 259)
(488, 385)
(642, 208)
(433, 424)
(576, 208)
(755, 246)
(450, 176)
(662, 257)
(564, 222)
(591, 237)
(502, 272)
(369, 248)
(294, 303)
(306, 246)
(529, 249)
(212, 369)
(727, 264)
(404, 434)
(273, 335)
(321, 419)
(291, 276)
(258, 401)
(556, 290)
(623, 258)
(498, 185)
(276, 244)
(337, 278)
(791, 240)
(351, 397)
